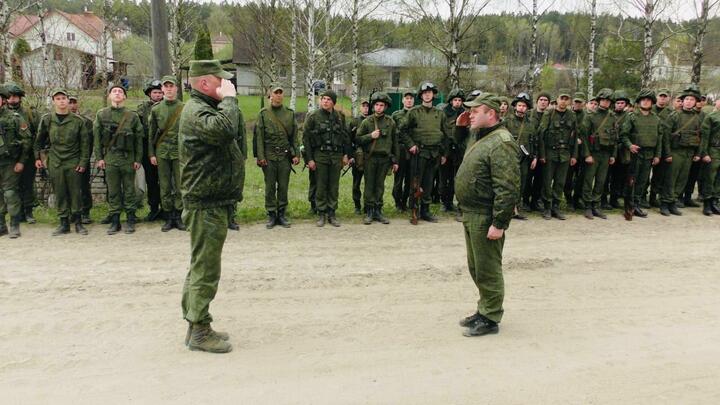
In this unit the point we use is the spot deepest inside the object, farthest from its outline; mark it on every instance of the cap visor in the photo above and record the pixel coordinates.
(224, 75)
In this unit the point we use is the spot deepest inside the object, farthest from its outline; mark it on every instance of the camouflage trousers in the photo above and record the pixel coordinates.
(711, 176)
(376, 168)
(68, 190)
(208, 230)
(9, 184)
(169, 178)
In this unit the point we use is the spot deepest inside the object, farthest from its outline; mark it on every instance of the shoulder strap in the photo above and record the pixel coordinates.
(169, 123)
(121, 125)
(277, 122)
(687, 124)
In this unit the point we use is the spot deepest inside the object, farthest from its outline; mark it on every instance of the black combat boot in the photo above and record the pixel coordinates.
(3, 226)
(547, 213)
(29, 218)
(14, 227)
(63, 228)
(378, 216)
(169, 222)
(79, 228)
(597, 213)
(115, 226)
(332, 219)
(130, 224)
(321, 219)
(358, 207)
(715, 207)
(282, 219)
(556, 212)
(640, 213)
(154, 215)
(643, 203)
(271, 220)
(482, 326)
(664, 209)
(470, 320)
(589, 213)
(679, 203)
(179, 225)
(707, 210)
(368, 216)
(85, 217)
(233, 225)
(425, 213)
(674, 209)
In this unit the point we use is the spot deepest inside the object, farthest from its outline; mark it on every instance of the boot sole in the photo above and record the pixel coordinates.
(202, 349)
(493, 331)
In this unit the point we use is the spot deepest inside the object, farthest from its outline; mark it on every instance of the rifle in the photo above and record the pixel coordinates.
(417, 189)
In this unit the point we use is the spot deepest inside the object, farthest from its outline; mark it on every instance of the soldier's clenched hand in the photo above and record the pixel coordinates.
(39, 164)
(311, 165)
(589, 160)
(707, 159)
(494, 233)
(100, 164)
(655, 161)
(395, 168)
(136, 166)
(413, 150)
(295, 161)
(573, 161)
(696, 158)
(153, 161)
(634, 149)
(18, 167)
(375, 134)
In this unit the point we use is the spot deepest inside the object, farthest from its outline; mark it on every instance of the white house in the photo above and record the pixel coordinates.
(76, 49)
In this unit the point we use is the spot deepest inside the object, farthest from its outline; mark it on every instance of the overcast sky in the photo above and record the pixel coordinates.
(675, 9)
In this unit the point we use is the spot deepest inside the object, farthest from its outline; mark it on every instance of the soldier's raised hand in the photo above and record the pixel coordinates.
(226, 89)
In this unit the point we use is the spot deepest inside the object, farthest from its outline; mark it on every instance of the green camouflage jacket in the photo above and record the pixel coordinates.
(67, 140)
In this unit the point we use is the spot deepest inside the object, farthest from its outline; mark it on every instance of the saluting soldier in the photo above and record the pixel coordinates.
(162, 139)
(377, 136)
(66, 136)
(118, 142)
(327, 144)
(15, 145)
(276, 132)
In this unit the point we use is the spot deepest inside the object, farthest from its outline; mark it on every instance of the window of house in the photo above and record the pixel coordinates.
(395, 79)
(70, 36)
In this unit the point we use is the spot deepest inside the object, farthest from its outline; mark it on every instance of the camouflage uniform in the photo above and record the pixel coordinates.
(455, 153)
(401, 181)
(357, 169)
(162, 139)
(558, 144)
(15, 146)
(710, 146)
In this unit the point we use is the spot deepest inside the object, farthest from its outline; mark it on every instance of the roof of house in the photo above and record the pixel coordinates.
(88, 22)
(399, 57)
(220, 39)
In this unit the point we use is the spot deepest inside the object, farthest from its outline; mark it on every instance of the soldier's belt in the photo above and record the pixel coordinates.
(559, 147)
(326, 148)
(436, 146)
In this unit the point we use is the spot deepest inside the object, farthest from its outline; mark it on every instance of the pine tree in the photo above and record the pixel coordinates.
(203, 47)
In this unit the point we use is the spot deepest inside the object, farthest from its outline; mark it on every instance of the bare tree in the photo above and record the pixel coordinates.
(445, 34)
(652, 11)
(704, 9)
(105, 38)
(357, 17)
(182, 18)
(535, 13)
(9, 10)
(293, 55)
(591, 51)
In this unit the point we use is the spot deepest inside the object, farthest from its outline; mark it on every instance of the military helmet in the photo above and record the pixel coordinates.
(14, 89)
(427, 86)
(473, 94)
(620, 95)
(525, 98)
(454, 93)
(692, 90)
(380, 97)
(605, 93)
(3, 92)
(151, 85)
(646, 93)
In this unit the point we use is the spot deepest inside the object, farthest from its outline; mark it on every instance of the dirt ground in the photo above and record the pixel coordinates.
(595, 313)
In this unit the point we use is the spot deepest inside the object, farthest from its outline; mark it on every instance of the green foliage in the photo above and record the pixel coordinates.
(547, 80)
(619, 63)
(21, 47)
(137, 52)
(203, 46)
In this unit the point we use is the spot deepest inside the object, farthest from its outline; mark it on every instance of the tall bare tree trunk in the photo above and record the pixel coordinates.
(293, 56)
(591, 52)
(533, 46)
(648, 47)
(273, 43)
(699, 38)
(328, 51)
(4, 58)
(45, 51)
(354, 92)
(106, 38)
(159, 24)
(454, 54)
(311, 58)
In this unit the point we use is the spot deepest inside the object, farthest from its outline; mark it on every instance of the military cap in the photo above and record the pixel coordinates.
(692, 90)
(592, 98)
(119, 86)
(454, 93)
(579, 96)
(365, 101)
(72, 97)
(620, 95)
(276, 87)
(169, 79)
(408, 93)
(605, 93)
(380, 97)
(14, 89)
(151, 85)
(544, 94)
(522, 97)
(208, 67)
(646, 93)
(57, 91)
(490, 100)
(329, 93)
(3, 92)
(663, 92)
(563, 93)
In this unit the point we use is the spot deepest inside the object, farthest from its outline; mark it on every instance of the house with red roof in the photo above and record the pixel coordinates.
(77, 48)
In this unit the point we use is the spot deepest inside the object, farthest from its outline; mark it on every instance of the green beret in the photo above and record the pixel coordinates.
(208, 67)
(169, 79)
(55, 92)
(329, 93)
(490, 100)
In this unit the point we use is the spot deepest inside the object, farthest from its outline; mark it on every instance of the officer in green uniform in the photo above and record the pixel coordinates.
(118, 150)
(86, 176)
(641, 134)
(276, 134)
(66, 136)
(212, 171)
(153, 90)
(683, 148)
(558, 152)
(452, 109)
(662, 110)
(427, 141)
(377, 136)
(599, 134)
(357, 160)
(488, 188)
(162, 138)
(618, 172)
(574, 180)
(327, 144)
(401, 181)
(14, 147)
(28, 193)
(537, 179)
(710, 154)
(524, 130)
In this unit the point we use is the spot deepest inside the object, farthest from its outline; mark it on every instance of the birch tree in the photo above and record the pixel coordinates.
(182, 21)
(704, 8)
(591, 51)
(357, 17)
(651, 11)
(9, 10)
(535, 14)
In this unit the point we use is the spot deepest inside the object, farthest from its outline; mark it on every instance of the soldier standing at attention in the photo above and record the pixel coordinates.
(487, 186)
(599, 133)
(377, 136)
(276, 132)
(85, 186)
(401, 181)
(358, 159)
(327, 144)
(541, 104)
(14, 147)
(66, 135)
(617, 175)
(524, 130)
(162, 138)
(558, 151)
(28, 193)
(662, 110)
(710, 153)
(573, 183)
(427, 142)
(212, 172)
(642, 134)
(153, 90)
(591, 105)
(452, 110)
(118, 150)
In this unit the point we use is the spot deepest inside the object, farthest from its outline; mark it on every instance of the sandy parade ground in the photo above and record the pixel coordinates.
(601, 312)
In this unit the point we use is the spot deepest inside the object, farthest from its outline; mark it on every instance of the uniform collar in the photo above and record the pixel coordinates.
(205, 98)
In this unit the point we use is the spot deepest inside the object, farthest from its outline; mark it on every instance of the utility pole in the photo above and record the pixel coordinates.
(159, 25)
